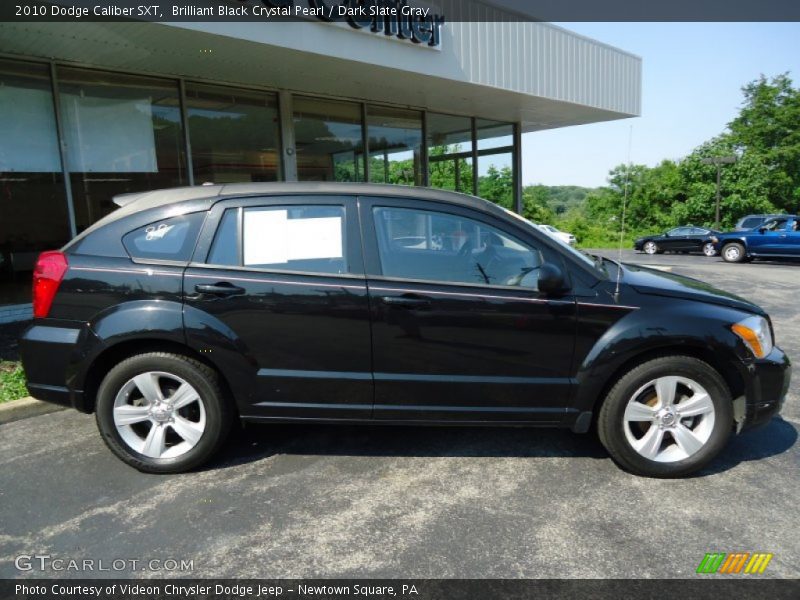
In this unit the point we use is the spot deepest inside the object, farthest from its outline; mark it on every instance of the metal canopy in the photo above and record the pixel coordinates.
(533, 73)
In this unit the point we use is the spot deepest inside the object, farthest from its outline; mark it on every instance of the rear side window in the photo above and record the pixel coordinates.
(307, 238)
(752, 222)
(170, 239)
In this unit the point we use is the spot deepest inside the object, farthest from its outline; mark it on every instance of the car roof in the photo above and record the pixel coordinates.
(131, 203)
(764, 216)
(202, 197)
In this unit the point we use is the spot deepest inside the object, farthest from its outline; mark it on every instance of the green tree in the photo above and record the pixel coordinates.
(497, 186)
(769, 125)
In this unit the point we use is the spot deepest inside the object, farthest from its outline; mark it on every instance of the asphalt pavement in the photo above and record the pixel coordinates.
(312, 501)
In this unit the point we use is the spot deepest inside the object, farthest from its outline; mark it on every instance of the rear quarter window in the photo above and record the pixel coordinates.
(171, 239)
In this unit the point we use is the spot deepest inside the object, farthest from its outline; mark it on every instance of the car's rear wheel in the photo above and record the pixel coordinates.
(733, 253)
(667, 417)
(709, 250)
(162, 413)
(650, 248)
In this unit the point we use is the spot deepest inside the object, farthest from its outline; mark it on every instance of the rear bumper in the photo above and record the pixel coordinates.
(766, 385)
(48, 351)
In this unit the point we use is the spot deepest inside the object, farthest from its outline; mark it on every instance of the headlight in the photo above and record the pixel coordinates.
(756, 335)
(714, 239)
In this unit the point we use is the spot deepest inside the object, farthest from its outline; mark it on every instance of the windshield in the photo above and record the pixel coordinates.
(583, 256)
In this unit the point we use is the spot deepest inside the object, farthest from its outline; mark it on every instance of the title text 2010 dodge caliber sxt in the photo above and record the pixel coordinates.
(186, 309)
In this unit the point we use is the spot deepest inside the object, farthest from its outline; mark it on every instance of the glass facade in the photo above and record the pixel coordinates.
(33, 203)
(495, 151)
(450, 157)
(122, 134)
(395, 145)
(329, 140)
(235, 134)
(84, 136)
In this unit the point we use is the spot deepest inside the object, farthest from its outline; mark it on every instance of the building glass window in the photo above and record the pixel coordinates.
(496, 161)
(328, 140)
(235, 134)
(122, 133)
(33, 204)
(450, 152)
(395, 145)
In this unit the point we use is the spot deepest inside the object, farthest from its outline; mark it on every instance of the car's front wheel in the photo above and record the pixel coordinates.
(709, 250)
(162, 413)
(667, 417)
(733, 253)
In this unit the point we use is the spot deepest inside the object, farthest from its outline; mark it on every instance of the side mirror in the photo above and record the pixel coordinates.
(762, 230)
(551, 279)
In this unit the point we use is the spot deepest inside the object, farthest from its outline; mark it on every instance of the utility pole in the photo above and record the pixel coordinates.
(718, 161)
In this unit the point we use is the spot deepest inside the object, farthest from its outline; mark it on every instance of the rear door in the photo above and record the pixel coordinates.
(793, 238)
(282, 280)
(460, 332)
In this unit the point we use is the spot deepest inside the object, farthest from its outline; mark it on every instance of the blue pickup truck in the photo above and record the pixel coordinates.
(777, 238)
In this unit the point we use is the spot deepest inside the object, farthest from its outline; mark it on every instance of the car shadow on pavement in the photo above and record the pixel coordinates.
(256, 442)
(777, 437)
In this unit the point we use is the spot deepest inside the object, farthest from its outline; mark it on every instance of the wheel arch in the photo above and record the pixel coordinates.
(113, 355)
(728, 372)
(740, 241)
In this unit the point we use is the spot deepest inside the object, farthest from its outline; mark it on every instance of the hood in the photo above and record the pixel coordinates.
(658, 283)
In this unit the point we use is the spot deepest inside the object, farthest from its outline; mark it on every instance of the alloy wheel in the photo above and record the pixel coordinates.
(669, 419)
(159, 415)
(708, 249)
(650, 248)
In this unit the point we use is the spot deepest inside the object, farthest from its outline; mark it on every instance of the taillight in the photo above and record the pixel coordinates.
(47, 276)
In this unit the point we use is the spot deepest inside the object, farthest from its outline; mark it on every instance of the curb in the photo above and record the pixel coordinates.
(25, 408)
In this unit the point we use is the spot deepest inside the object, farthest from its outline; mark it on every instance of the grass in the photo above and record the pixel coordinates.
(12, 382)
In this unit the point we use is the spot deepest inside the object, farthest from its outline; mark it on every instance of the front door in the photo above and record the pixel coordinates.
(771, 238)
(460, 331)
(678, 240)
(284, 279)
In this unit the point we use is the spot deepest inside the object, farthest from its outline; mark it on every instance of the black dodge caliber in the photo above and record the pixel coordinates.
(187, 309)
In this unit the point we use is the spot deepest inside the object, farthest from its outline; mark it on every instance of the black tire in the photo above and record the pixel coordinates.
(610, 423)
(733, 253)
(218, 414)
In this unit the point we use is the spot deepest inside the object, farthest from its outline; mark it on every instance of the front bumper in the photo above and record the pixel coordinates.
(766, 385)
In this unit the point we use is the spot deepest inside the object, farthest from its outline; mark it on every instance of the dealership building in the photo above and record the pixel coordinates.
(89, 110)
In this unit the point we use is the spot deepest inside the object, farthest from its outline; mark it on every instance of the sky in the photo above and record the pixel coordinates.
(692, 75)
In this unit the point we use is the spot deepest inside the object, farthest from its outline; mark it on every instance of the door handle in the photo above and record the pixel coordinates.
(406, 302)
(223, 289)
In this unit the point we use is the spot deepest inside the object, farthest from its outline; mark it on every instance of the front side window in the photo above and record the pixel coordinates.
(309, 239)
(775, 225)
(171, 239)
(433, 246)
